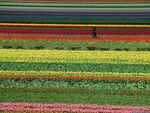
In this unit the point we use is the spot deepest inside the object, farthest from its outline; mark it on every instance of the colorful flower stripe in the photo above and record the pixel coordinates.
(87, 32)
(70, 108)
(80, 39)
(74, 38)
(83, 77)
(54, 56)
(76, 74)
(69, 36)
(68, 28)
(76, 25)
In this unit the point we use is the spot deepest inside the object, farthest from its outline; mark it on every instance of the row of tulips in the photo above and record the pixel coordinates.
(74, 25)
(54, 56)
(19, 36)
(69, 28)
(26, 107)
(49, 56)
(65, 36)
(100, 32)
(66, 65)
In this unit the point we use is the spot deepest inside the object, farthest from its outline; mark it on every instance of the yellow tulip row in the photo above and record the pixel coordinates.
(55, 56)
(76, 25)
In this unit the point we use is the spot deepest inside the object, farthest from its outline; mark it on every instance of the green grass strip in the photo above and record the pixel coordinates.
(66, 45)
(74, 4)
(77, 9)
(76, 67)
(106, 21)
(67, 83)
(76, 96)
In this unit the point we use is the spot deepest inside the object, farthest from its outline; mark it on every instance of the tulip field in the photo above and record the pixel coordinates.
(51, 62)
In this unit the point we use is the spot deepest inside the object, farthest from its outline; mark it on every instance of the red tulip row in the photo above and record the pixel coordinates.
(99, 39)
(100, 32)
(93, 108)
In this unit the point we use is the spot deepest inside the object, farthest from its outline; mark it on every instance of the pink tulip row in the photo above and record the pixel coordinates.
(27, 107)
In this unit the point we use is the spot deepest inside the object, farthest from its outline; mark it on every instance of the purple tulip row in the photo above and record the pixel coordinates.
(24, 107)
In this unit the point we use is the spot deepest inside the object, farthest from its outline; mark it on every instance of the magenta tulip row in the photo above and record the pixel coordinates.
(24, 107)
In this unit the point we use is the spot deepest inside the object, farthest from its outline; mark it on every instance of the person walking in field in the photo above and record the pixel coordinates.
(94, 34)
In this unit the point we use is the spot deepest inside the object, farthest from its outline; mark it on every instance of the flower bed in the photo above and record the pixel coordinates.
(49, 61)
(22, 107)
